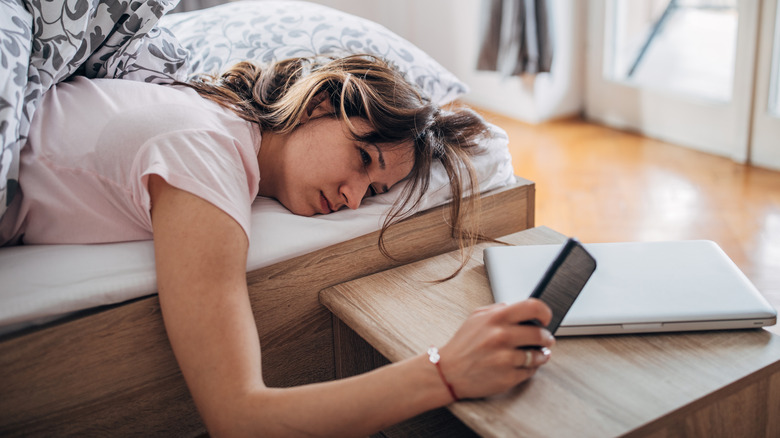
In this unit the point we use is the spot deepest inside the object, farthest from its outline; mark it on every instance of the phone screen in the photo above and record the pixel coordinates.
(564, 280)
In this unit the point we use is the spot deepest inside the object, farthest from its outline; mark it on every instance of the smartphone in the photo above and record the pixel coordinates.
(563, 281)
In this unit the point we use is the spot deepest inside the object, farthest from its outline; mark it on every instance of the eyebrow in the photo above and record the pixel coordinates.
(381, 156)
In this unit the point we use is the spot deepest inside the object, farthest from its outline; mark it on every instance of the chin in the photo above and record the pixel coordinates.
(296, 210)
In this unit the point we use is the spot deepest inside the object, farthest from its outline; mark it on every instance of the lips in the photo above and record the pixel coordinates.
(325, 204)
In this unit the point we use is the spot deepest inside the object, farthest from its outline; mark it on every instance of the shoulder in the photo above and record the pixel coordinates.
(123, 93)
(151, 109)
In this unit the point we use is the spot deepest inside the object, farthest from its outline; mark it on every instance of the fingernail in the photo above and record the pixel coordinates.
(546, 351)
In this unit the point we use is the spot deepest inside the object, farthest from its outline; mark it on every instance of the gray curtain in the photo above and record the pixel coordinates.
(517, 37)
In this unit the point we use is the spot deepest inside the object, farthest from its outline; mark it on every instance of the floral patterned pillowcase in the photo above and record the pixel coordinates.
(269, 30)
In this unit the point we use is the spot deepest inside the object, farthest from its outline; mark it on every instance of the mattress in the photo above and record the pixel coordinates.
(41, 283)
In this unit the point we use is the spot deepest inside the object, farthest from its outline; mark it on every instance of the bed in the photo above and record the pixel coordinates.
(83, 350)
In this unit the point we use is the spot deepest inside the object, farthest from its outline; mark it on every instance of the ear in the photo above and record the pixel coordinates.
(319, 106)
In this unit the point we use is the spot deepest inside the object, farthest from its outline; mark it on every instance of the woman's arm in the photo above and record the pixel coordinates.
(201, 262)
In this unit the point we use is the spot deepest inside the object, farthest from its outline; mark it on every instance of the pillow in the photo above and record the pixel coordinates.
(264, 31)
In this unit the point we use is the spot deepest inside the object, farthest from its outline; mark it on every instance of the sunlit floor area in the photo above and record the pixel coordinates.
(604, 185)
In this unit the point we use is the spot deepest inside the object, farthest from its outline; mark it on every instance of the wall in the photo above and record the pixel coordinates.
(449, 30)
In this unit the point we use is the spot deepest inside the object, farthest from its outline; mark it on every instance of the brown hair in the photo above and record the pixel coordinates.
(276, 97)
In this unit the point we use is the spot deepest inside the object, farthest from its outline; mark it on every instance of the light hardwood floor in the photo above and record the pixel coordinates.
(604, 185)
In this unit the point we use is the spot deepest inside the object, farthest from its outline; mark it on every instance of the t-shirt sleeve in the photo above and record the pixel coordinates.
(204, 163)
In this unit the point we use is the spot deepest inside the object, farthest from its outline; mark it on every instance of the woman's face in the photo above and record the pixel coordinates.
(318, 168)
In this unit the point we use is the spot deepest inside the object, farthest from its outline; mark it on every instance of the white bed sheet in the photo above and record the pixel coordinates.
(42, 283)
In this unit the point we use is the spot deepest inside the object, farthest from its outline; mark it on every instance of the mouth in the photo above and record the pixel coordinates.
(324, 204)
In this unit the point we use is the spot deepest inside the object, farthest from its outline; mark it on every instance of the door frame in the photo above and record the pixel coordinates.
(765, 136)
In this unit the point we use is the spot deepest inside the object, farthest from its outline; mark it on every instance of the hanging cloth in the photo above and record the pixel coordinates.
(517, 37)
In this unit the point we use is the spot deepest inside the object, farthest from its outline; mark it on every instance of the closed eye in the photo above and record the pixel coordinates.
(365, 157)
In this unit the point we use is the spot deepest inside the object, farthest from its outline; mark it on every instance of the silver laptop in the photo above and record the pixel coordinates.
(640, 287)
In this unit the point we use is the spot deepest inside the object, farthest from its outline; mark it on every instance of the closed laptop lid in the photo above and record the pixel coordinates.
(640, 285)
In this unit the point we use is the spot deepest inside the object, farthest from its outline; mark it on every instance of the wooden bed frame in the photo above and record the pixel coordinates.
(112, 372)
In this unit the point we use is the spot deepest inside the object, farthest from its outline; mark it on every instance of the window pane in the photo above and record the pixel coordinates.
(682, 46)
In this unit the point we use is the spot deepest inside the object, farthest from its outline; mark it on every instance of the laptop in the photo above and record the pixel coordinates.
(640, 287)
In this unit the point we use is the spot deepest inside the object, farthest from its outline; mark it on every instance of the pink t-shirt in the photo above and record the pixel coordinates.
(93, 144)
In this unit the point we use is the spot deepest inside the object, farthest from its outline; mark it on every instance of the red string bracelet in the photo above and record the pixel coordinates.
(433, 356)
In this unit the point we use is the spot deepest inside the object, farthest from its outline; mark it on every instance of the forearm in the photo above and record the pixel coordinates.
(200, 254)
(357, 406)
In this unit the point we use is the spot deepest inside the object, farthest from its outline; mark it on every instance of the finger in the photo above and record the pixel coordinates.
(526, 310)
(532, 357)
(523, 374)
(528, 336)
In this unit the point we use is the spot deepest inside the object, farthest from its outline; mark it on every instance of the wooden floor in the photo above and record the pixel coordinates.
(605, 185)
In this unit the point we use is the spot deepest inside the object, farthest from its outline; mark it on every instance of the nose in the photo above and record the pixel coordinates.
(354, 191)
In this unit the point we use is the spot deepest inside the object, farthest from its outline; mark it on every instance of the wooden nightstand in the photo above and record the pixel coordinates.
(724, 383)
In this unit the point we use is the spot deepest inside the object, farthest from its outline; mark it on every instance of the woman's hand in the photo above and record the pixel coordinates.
(492, 352)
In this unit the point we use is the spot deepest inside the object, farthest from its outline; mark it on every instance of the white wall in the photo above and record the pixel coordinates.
(449, 30)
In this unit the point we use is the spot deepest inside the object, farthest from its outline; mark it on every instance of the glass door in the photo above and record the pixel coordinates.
(765, 144)
(678, 70)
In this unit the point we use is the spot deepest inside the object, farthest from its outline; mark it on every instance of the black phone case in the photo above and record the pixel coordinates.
(564, 279)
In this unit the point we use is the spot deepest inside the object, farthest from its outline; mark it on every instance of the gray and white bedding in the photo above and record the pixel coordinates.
(44, 42)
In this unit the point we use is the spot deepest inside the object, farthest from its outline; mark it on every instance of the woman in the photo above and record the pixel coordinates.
(147, 161)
